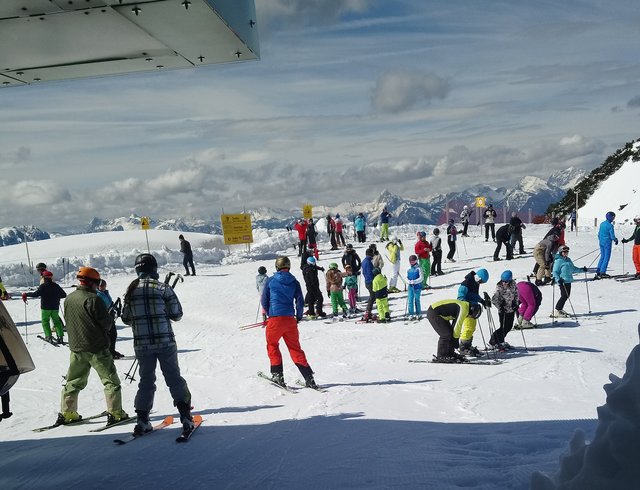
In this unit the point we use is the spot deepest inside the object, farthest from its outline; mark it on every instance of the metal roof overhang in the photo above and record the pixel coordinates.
(42, 40)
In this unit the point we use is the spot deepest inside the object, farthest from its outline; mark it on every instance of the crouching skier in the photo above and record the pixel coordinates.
(446, 318)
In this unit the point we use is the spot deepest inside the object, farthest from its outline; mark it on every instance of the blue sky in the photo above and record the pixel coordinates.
(350, 97)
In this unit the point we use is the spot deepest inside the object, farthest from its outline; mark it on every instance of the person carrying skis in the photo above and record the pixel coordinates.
(452, 237)
(301, 227)
(636, 245)
(103, 294)
(506, 301)
(503, 237)
(312, 283)
(367, 274)
(447, 318)
(394, 247)
(351, 285)
(261, 280)
(50, 295)
(516, 233)
(185, 248)
(282, 299)
(149, 308)
(384, 225)
(469, 291)
(530, 300)
(436, 252)
(331, 231)
(606, 235)
(543, 254)
(563, 270)
(422, 249)
(88, 324)
(379, 287)
(490, 223)
(465, 215)
(334, 289)
(339, 229)
(360, 226)
(414, 288)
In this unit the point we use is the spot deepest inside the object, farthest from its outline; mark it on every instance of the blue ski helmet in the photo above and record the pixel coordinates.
(423, 234)
(482, 275)
(610, 216)
(311, 260)
(506, 276)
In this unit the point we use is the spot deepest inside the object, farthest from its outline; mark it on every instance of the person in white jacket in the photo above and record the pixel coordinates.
(394, 247)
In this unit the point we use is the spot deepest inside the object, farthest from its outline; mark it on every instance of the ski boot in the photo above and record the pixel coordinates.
(561, 314)
(65, 418)
(184, 409)
(116, 416)
(143, 425)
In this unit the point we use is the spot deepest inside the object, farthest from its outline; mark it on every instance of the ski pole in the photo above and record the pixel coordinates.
(524, 341)
(575, 317)
(258, 312)
(623, 254)
(132, 371)
(586, 283)
(465, 247)
(26, 323)
(406, 308)
(585, 255)
(486, 350)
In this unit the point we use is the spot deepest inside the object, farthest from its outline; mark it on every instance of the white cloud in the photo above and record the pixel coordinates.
(400, 90)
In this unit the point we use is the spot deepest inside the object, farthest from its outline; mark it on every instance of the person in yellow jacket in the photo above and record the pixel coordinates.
(394, 247)
(379, 287)
(446, 318)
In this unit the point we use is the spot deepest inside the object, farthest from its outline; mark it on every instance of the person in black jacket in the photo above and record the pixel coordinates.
(503, 237)
(185, 248)
(314, 294)
(50, 295)
(351, 257)
(516, 232)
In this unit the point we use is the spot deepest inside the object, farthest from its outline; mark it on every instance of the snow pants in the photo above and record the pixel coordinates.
(337, 300)
(80, 364)
(51, 316)
(636, 257)
(506, 324)
(394, 275)
(353, 297)
(382, 304)
(543, 270)
(468, 328)
(413, 301)
(167, 357)
(452, 249)
(528, 305)
(444, 329)
(188, 262)
(507, 245)
(517, 238)
(384, 231)
(340, 239)
(425, 265)
(286, 328)
(372, 297)
(565, 292)
(436, 263)
(605, 255)
(487, 227)
(313, 299)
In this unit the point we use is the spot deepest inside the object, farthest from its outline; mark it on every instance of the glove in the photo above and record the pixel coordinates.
(560, 281)
(624, 240)
(585, 269)
(321, 269)
(24, 297)
(487, 301)
(615, 241)
(399, 241)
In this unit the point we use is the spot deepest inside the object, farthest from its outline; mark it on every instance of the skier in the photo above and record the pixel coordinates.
(556, 229)
(4, 295)
(636, 245)
(50, 295)
(282, 299)
(331, 231)
(469, 291)
(41, 267)
(530, 300)
(452, 237)
(351, 258)
(377, 259)
(394, 247)
(314, 294)
(367, 274)
(88, 324)
(334, 289)
(464, 219)
(185, 248)
(516, 233)
(447, 318)
(261, 280)
(490, 223)
(573, 218)
(312, 235)
(503, 237)
(351, 285)
(360, 227)
(301, 227)
(149, 308)
(414, 282)
(436, 252)
(103, 294)
(543, 254)
(606, 235)
(379, 287)
(422, 249)
(384, 225)
(339, 229)
(563, 270)
(506, 300)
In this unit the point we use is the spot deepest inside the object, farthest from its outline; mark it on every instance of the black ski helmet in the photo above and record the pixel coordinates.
(475, 310)
(262, 269)
(436, 231)
(146, 263)
(283, 263)
(40, 266)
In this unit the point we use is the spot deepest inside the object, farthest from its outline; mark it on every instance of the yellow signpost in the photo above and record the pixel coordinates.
(481, 202)
(236, 228)
(145, 224)
(307, 211)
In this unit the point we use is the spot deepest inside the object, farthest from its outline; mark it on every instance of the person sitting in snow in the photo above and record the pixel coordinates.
(50, 295)
(506, 301)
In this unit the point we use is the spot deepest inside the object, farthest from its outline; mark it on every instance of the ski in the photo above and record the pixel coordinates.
(108, 426)
(252, 325)
(268, 378)
(627, 279)
(186, 435)
(84, 419)
(301, 383)
(467, 362)
(131, 437)
(52, 342)
(124, 358)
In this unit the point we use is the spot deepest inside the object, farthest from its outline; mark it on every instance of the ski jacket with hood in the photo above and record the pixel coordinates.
(506, 297)
(360, 223)
(353, 259)
(301, 228)
(279, 294)
(563, 268)
(50, 294)
(367, 270)
(606, 234)
(422, 249)
(469, 289)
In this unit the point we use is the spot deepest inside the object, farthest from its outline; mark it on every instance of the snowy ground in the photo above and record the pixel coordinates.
(383, 422)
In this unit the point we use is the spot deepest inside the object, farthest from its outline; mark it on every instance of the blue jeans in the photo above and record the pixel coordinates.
(605, 255)
(168, 359)
(414, 299)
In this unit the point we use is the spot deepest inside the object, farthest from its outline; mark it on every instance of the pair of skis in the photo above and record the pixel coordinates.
(52, 342)
(287, 388)
(184, 437)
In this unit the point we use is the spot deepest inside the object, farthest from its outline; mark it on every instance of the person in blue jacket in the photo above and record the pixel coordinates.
(606, 235)
(384, 225)
(283, 301)
(367, 274)
(360, 227)
(469, 290)
(563, 270)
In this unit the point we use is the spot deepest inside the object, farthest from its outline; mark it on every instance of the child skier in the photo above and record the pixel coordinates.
(414, 281)
(261, 279)
(469, 290)
(563, 270)
(103, 294)
(636, 245)
(334, 288)
(50, 295)
(351, 285)
(506, 300)
(422, 249)
(530, 300)
(379, 287)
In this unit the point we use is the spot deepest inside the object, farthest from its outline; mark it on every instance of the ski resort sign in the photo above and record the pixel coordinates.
(236, 228)
(481, 202)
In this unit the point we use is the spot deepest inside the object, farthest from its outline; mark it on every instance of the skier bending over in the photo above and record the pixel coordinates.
(530, 300)
(446, 318)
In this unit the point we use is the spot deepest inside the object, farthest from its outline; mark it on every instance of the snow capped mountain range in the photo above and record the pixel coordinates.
(14, 235)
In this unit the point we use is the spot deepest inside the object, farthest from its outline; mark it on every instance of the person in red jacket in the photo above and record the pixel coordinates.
(422, 249)
(301, 228)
